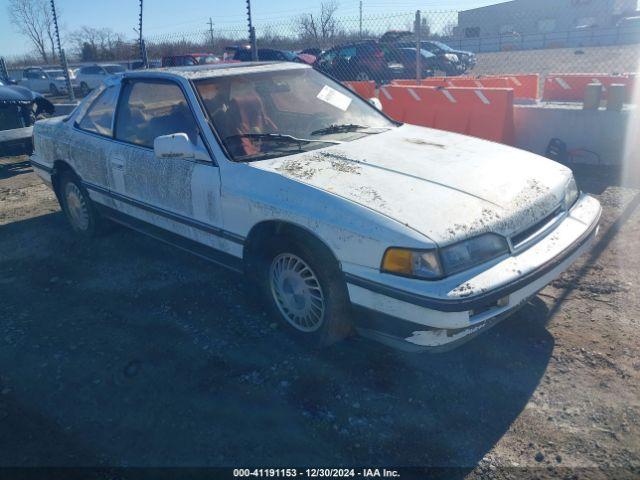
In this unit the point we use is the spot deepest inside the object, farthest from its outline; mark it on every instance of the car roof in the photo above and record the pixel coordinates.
(216, 70)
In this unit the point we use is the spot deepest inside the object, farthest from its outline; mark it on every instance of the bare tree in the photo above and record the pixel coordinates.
(319, 29)
(91, 44)
(33, 19)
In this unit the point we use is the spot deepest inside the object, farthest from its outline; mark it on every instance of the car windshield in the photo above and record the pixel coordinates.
(114, 68)
(53, 73)
(272, 114)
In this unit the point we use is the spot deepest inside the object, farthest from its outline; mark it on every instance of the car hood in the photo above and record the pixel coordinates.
(443, 185)
(15, 94)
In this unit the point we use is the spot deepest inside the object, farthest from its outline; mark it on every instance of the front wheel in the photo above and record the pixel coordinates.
(54, 90)
(84, 89)
(303, 287)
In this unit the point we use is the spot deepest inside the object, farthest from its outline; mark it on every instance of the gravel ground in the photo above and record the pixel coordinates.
(128, 352)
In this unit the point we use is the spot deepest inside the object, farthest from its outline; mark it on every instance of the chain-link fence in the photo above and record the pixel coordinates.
(547, 36)
(494, 40)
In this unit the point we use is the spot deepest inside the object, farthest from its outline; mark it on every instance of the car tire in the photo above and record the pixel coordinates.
(303, 287)
(84, 89)
(78, 207)
(53, 90)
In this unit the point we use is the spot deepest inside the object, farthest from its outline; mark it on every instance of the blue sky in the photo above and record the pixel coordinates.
(170, 16)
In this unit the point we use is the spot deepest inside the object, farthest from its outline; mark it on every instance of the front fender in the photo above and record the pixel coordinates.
(354, 233)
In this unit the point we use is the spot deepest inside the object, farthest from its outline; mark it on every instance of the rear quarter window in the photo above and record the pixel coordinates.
(99, 116)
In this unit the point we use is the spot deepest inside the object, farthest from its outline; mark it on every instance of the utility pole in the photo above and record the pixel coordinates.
(210, 23)
(252, 34)
(63, 57)
(360, 19)
(143, 47)
(4, 75)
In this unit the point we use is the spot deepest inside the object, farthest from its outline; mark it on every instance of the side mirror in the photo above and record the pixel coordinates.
(178, 145)
(376, 103)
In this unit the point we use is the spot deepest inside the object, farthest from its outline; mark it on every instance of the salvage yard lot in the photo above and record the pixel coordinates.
(125, 351)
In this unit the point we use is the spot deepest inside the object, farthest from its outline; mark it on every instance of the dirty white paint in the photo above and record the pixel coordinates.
(409, 186)
(445, 186)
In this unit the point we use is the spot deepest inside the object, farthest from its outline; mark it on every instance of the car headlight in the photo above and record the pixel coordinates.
(451, 57)
(412, 263)
(474, 251)
(434, 264)
(571, 193)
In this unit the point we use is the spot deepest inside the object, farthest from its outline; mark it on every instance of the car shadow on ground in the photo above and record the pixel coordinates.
(146, 355)
(13, 169)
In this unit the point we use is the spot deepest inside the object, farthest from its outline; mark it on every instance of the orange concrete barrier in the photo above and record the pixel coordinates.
(364, 89)
(525, 87)
(572, 87)
(481, 112)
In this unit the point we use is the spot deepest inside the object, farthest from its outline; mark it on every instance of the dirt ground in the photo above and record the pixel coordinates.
(128, 352)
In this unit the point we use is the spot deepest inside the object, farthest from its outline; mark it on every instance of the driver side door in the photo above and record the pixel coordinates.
(178, 195)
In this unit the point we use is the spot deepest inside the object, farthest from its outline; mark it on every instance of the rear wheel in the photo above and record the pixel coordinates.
(78, 207)
(84, 89)
(303, 287)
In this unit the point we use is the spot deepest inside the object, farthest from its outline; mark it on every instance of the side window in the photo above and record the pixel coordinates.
(99, 117)
(347, 52)
(149, 109)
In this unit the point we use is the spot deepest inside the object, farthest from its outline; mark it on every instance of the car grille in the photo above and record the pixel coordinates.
(539, 228)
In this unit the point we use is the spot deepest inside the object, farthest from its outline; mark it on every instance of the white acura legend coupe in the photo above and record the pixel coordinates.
(344, 219)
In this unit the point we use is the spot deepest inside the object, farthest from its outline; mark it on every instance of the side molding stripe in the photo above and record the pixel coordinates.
(232, 237)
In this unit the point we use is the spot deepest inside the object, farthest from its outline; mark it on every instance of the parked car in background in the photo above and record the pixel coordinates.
(466, 60)
(361, 61)
(449, 61)
(89, 77)
(46, 80)
(19, 108)
(329, 206)
(407, 57)
(137, 64)
(243, 54)
(189, 59)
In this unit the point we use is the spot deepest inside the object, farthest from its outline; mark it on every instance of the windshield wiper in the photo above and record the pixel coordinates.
(279, 137)
(338, 128)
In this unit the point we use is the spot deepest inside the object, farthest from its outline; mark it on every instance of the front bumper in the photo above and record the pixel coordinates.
(418, 315)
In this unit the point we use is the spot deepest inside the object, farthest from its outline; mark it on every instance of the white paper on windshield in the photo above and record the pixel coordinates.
(334, 97)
